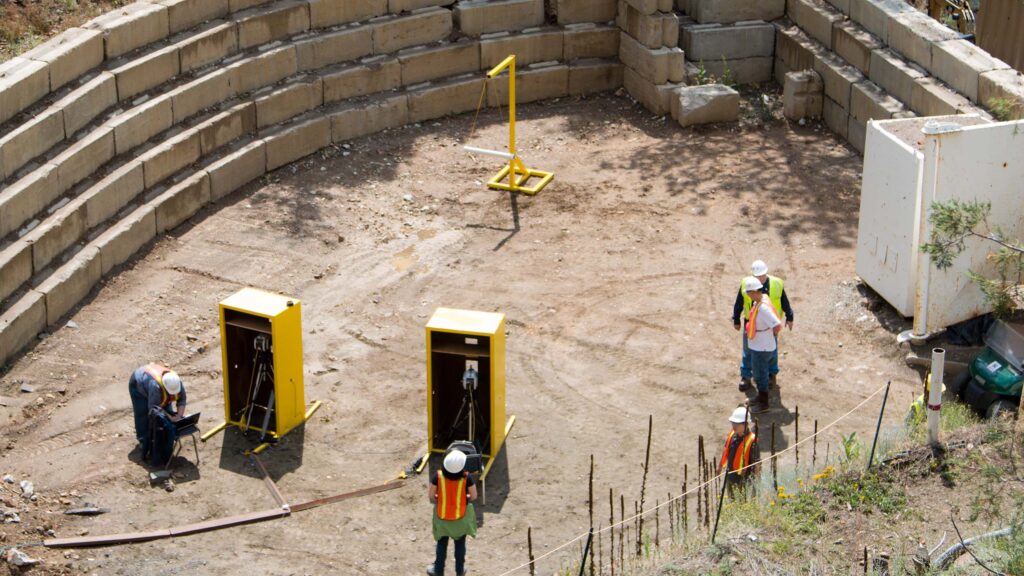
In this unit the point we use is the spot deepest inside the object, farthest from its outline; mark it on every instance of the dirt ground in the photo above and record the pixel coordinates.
(617, 286)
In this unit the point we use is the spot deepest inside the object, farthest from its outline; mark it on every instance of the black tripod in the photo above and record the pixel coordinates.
(262, 374)
(468, 412)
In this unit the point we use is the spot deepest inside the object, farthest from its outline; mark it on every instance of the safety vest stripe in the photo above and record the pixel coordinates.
(451, 505)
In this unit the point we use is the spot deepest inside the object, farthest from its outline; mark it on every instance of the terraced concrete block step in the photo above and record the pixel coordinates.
(70, 283)
(127, 28)
(930, 97)
(69, 54)
(579, 11)
(297, 140)
(279, 104)
(57, 233)
(26, 197)
(451, 97)
(142, 122)
(213, 43)
(838, 76)
(237, 169)
(20, 324)
(227, 126)
(869, 102)
(184, 14)
(874, 15)
(585, 41)
(356, 120)
(708, 104)
(643, 6)
(124, 239)
(716, 41)
(259, 71)
(15, 267)
(169, 157)
(794, 48)
(399, 6)
(278, 20)
(594, 76)
(912, 34)
(895, 75)
(655, 66)
(855, 44)
(529, 47)
(374, 75)
(424, 64)
(1005, 89)
(143, 73)
(394, 33)
(84, 157)
(803, 95)
(19, 146)
(325, 13)
(181, 201)
(476, 17)
(536, 82)
(816, 18)
(647, 29)
(657, 98)
(326, 48)
(836, 118)
(105, 198)
(960, 64)
(22, 83)
(741, 70)
(87, 102)
(729, 11)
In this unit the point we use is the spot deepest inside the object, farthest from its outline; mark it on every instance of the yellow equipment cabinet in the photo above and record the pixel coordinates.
(261, 349)
(459, 340)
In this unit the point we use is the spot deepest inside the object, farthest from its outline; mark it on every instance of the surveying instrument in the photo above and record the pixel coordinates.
(262, 378)
(468, 413)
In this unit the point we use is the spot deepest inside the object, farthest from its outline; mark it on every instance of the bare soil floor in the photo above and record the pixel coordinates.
(618, 288)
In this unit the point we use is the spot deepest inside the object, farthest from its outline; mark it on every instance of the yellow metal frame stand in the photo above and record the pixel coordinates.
(514, 176)
(248, 316)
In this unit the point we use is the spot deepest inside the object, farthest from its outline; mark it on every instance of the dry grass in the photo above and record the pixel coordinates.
(26, 23)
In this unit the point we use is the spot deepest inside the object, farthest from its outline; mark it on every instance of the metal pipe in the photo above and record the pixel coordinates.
(498, 153)
(935, 395)
(878, 427)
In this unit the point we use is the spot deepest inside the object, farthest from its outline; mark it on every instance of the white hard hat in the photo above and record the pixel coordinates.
(739, 415)
(758, 268)
(172, 383)
(751, 284)
(455, 461)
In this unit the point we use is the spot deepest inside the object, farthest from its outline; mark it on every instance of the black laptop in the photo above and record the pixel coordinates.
(187, 421)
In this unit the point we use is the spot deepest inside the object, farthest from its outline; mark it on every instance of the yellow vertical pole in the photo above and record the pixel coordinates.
(512, 119)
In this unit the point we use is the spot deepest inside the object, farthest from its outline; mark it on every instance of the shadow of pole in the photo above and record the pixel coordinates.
(514, 200)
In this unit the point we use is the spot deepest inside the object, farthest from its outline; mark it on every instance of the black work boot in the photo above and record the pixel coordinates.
(760, 404)
(744, 384)
(773, 381)
(431, 571)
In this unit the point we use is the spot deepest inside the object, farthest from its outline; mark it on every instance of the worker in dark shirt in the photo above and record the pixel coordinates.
(773, 288)
(453, 491)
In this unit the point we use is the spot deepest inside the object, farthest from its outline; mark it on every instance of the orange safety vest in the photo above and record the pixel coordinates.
(157, 371)
(742, 456)
(451, 497)
(752, 321)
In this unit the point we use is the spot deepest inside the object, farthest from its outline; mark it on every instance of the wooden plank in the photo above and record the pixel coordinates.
(338, 498)
(108, 540)
(269, 482)
(219, 523)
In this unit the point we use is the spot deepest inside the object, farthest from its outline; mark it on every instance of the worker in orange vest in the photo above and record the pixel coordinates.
(453, 491)
(741, 455)
(152, 386)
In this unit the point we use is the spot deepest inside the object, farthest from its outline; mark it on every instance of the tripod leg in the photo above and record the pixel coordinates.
(266, 416)
(254, 392)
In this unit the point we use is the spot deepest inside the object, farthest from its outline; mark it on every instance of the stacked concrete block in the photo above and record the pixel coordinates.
(399, 6)
(874, 15)
(1004, 87)
(131, 27)
(25, 142)
(741, 51)
(929, 97)
(184, 14)
(141, 123)
(15, 267)
(279, 20)
(61, 230)
(26, 197)
(83, 157)
(424, 64)
(869, 102)
(579, 11)
(168, 157)
(855, 44)
(276, 105)
(539, 81)
(20, 324)
(838, 77)
(262, 70)
(141, 74)
(22, 83)
(372, 75)
(815, 17)
(593, 76)
(960, 64)
(237, 169)
(478, 17)
(529, 46)
(87, 102)
(794, 50)
(327, 48)
(69, 54)
(326, 13)
(235, 122)
(730, 11)
(212, 44)
(653, 64)
(393, 33)
(121, 241)
(355, 120)
(895, 75)
(590, 41)
(181, 201)
(708, 104)
(106, 198)
(803, 95)
(66, 287)
(454, 96)
(913, 34)
(843, 6)
(201, 93)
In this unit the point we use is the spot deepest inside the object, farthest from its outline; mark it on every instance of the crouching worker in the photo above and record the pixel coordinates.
(453, 490)
(740, 451)
(158, 400)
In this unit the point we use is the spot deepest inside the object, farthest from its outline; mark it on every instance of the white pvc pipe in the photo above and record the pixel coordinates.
(497, 153)
(935, 394)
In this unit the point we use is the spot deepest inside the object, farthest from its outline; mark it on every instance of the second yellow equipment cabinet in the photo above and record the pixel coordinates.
(457, 340)
(261, 352)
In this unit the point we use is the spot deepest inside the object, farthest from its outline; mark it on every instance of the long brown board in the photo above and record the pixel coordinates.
(339, 497)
